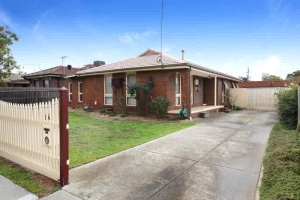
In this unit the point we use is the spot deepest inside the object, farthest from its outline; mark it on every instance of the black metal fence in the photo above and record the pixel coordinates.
(28, 95)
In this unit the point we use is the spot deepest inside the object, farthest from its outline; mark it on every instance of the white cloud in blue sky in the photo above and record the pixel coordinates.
(229, 36)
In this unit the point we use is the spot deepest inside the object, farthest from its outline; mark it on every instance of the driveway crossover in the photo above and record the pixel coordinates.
(218, 158)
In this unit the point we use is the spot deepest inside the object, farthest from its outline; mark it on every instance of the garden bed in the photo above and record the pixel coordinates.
(33, 182)
(281, 174)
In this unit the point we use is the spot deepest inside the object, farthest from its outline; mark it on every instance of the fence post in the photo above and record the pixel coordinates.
(64, 136)
(299, 108)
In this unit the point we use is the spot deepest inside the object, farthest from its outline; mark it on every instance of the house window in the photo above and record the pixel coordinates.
(37, 83)
(70, 92)
(108, 91)
(79, 92)
(178, 89)
(46, 83)
(130, 80)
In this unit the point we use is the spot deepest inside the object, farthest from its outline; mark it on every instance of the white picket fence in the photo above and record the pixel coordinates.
(22, 136)
(254, 98)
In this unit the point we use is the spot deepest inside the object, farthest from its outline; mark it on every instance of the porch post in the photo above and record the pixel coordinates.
(215, 90)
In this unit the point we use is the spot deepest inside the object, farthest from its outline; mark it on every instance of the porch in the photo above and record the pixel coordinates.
(196, 110)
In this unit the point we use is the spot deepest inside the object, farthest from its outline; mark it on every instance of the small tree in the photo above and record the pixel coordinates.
(139, 90)
(287, 106)
(161, 106)
(7, 62)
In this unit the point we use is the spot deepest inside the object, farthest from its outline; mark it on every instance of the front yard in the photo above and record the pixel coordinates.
(91, 139)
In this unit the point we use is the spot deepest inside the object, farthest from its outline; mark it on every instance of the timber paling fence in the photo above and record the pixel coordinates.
(35, 135)
(254, 98)
(28, 95)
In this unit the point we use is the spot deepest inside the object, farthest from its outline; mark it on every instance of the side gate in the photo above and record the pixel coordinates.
(35, 135)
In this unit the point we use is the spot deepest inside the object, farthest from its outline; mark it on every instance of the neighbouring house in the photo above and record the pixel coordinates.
(56, 77)
(180, 81)
(16, 80)
(264, 84)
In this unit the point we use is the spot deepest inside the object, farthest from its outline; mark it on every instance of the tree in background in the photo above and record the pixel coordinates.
(294, 77)
(7, 62)
(268, 77)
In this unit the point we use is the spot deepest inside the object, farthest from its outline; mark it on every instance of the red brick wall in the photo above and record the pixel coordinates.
(198, 96)
(164, 85)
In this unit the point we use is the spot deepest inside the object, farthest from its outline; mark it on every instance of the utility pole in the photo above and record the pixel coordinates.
(248, 74)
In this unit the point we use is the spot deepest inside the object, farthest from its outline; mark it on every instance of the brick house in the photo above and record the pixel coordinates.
(55, 77)
(180, 81)
(16, 80)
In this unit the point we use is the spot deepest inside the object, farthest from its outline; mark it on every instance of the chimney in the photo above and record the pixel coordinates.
(182, 51)
(98, 63)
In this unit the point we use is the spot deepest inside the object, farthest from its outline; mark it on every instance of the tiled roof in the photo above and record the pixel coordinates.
(16, 78)
(150, 58)
(255, 84)
(59, 70)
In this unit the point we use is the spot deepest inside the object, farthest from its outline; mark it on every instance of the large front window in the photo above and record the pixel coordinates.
(79, 92)
(70, 92)
(46, 83)
(130, 80)
(108, 91)
(178, 89)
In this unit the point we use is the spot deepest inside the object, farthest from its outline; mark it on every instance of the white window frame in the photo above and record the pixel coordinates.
(70, 92)
(80, 93)
(178, 95)
(128, 95)
(108, 95)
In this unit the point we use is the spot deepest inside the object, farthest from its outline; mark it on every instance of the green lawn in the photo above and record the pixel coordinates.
(281, 176)
(33, 182)
(91, 139)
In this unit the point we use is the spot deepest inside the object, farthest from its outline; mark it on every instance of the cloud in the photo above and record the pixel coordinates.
(130, 38)
(270, 65)
(5, 19)
(36, 26)
(275, 7)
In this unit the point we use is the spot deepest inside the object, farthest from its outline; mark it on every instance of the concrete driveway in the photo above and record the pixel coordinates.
(219, 158)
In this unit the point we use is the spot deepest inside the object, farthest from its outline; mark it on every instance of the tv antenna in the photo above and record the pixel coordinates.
(62, 60)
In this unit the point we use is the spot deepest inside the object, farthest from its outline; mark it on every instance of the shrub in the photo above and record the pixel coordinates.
(161, 106)
(124, 114)
(287, 106)
(172, 118)
(111, 114)
(88, 108)
(102, 110)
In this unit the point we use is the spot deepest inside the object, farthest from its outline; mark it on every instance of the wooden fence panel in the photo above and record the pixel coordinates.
(254, 98)
(23, 130)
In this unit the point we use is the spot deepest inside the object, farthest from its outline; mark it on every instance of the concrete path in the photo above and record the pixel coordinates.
(219, 158)
(11, 191)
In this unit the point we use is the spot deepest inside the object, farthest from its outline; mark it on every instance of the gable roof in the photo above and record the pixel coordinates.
(148, 59)
(57, 71)
(255, 84)
(16, 79)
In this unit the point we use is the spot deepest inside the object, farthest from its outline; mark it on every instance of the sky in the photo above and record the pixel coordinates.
(226, 35)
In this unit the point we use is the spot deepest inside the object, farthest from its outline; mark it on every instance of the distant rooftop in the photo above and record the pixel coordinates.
(256, 84)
